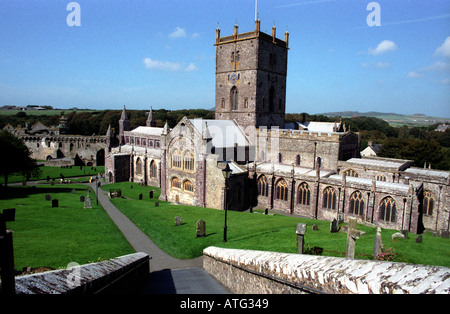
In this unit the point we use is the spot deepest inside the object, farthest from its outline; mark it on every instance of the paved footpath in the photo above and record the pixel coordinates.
(167, 275)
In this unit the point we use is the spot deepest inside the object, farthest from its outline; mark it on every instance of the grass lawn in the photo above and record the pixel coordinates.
(55, 172)
(54, 237)
(257, 231)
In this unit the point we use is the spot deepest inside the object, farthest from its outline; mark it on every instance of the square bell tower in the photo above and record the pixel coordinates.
(251, 71)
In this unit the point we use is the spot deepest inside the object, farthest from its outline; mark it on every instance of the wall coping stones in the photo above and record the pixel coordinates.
(323, 274)
(88, 278)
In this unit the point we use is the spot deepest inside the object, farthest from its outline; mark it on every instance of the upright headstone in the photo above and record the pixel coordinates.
(150, 194)
(301, 230)
(378, 243)
(140, 196)
(178, 221)
(352, 236)
(445, 234)
(333, 226)
(82, 198)
(48, 197)
(74, 191)
(87, 202)
(201, 228)
(54, 203)
(419, 239)
(156, 204)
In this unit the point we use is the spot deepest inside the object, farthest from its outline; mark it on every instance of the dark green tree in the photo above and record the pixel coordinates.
(16, 157)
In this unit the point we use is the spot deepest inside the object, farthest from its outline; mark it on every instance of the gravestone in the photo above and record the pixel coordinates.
(48, 197)
(445, 234)
(405, 233)
(150, 194)
(315, 227)
(378, 242)
(156, 204)
(82, 198)
(87, 202)
(55, 203)
(178, 221)
(333, 226)
(140, 196)
(74, 191)
(201, 228)
(419, 239)
(352, 236)
(266, 211)
(301, 230)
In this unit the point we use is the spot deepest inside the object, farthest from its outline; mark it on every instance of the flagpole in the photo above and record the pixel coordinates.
(256, 10)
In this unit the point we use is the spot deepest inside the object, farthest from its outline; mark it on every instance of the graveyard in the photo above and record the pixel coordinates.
(257, 231)
(49, 234)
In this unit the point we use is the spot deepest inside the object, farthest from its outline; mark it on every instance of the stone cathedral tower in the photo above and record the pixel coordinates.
(251, 71)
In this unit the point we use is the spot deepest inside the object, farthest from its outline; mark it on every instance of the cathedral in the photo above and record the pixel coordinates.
(307, 168)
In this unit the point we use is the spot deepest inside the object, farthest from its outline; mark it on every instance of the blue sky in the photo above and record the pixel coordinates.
(143, 53)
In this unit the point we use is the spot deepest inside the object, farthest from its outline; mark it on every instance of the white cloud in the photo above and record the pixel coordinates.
(384, 46)
(161, 65)
(191, 67)
(168, 66)
(444, 49)
(178, 33)
(414, 74)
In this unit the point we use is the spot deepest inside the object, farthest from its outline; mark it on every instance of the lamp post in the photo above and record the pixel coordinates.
(226, 174)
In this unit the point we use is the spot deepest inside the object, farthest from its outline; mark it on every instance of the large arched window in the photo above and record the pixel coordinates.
(138, 169)
(176, 183)
(303, 194)
(263, 186)
(234, 96)
(388, 209)
(329, 198)
(351, 173)
(428, 203)
(176, 159)
(188, 186)
(153, 170)
(356, 203)
(282, 190)
(188, 160)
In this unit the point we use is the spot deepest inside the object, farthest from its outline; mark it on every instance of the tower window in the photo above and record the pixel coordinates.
(246, 102)
(234, 98)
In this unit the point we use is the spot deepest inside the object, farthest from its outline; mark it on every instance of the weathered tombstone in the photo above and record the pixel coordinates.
(48, 178)
(397, 235)
(150, 194)
(55, 203)
(156, 204)
(131, 186)
(352, 236)
(201, 228)
(74, 191)
(333, 226)
(178, 221)
(48, 197)
(82, 198)
(140, 196)
(301, 230)
(435, 234)
(315, 227)
(419, 239)
(445, 234)
(405, 233)
(87, 202)
(378, 243)
(266, 211)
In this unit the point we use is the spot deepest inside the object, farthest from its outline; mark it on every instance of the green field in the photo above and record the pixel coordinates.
(259, 232)
(55, 173)
(54, 237)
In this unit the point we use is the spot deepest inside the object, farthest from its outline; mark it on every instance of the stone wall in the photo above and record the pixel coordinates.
(117, 275)
(258, 272)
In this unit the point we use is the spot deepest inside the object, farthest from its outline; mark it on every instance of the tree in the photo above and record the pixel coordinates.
(15, 157)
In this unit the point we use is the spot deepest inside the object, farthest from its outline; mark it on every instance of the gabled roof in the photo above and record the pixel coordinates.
(224, 133)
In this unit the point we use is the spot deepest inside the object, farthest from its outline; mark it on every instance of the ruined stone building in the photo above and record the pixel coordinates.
(312, 169)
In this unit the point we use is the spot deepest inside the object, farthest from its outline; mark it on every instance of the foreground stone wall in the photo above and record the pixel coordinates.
(247, 271)
(111, 276)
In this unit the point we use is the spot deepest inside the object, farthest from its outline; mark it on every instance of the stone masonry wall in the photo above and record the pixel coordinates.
(256, 272)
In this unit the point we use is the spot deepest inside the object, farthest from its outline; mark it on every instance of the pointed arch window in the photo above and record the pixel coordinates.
(234, 96)
(188, 186)
(388, 209)
(263, 186)
(303, 194)
(357, 203)
(153, 170)
(188, 160)
(428, 203)
(329, 198)
(282, 190)
(176, 183)
(138, 167)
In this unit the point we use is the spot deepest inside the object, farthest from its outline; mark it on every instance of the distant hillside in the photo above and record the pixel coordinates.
(394, 119)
